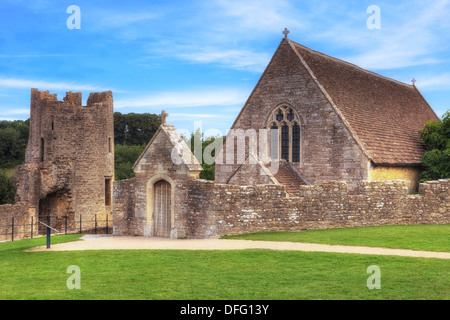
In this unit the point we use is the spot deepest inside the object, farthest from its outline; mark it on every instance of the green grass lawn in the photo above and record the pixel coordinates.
(413, 237)
(230, 275)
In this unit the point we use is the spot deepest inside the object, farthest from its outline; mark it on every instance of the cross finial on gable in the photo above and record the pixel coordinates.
(163, 116)
(414, 81)
(286, 32)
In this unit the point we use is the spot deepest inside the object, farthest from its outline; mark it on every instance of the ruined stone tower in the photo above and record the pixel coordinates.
(69, 161)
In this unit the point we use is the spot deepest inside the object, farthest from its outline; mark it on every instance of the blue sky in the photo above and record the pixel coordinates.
(200, 60)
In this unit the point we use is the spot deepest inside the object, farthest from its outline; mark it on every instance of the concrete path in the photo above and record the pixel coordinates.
(108, 242)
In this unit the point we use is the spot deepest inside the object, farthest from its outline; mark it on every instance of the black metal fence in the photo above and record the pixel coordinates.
(14, 228)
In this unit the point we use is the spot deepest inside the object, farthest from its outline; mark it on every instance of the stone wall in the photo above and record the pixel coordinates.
(213, 210)
(219, 209)
(125, 221)
(22, 214)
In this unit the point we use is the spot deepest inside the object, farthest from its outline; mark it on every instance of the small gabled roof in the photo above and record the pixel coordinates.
(383, 114)
(183, 154)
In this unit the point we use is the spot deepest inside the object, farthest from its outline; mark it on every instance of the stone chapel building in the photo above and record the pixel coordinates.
(327, 119)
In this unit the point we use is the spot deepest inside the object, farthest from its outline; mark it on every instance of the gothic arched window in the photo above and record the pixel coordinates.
(285, 142)
(285, 130)
(295, 143)
(274, 141)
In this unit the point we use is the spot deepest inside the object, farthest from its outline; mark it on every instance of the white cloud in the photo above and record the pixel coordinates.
(435, 82)
(5, 111)
(231, 34)
(47, 85)
(262, 15)
(233, 58)
(32, 55)
(391, 57)
(195, 115)
(114, 20)
(183, 99)
(7, 119)
(410, 35)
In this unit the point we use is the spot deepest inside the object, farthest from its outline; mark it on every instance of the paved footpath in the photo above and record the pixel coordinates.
(108, 242)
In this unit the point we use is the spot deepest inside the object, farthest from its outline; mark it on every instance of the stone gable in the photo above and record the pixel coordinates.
(328, 150)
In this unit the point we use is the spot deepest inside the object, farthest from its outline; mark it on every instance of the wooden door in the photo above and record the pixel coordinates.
(162, 209)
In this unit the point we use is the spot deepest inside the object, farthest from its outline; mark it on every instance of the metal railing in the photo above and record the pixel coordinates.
(13, 228)
(49, 232)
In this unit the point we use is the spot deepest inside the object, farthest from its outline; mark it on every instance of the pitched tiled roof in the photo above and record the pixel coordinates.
(384, 115)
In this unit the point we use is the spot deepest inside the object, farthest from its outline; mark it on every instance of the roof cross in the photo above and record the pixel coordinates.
(414, 81)
(286, 32)
(163, 116)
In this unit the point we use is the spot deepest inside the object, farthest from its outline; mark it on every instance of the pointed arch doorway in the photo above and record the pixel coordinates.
(162, 208)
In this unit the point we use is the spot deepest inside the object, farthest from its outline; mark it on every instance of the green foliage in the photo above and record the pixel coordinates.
(198, 139)
(7, 190)
(124, 159)
(132, 132)
(13, 142)
(134, 129)
(436, 159)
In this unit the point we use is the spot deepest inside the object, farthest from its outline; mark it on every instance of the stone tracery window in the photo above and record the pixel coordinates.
(285, 130)
(285, 142)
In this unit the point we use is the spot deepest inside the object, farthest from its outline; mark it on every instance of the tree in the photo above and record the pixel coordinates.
(124, 159)
(132, 132)
(13, 142)
(198, 139)
(134, 129)
(436, 159)
(7, 190)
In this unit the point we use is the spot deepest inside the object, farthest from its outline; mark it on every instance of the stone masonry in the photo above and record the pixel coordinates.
(69, 162)
(344, 122)
(212, 210)
(339, 129)
(218, 209)
(329, 152)
(167, 159)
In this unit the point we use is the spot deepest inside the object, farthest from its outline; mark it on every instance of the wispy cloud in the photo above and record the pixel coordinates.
(185, 99)
(6, 111)
(32, 55)
(435, 82)
(123, 19)
(7, 118)
(229, 34)
(240, 59)
(47, 85)
(410, 37)
(196, 115)
(260, 15)
(11, 115)
(391, 57)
